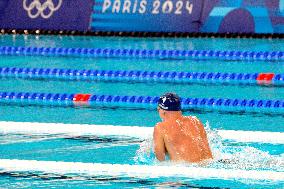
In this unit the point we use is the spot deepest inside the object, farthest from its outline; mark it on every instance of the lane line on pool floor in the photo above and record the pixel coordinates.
(129, 131)
(148, 171)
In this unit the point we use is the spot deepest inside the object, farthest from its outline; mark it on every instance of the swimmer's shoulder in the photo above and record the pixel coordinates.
(159, 125)
(159, 129)
(192, 119)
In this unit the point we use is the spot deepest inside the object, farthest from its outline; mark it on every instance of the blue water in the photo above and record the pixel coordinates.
(117, 150)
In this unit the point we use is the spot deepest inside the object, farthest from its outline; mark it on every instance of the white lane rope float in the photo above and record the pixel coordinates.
(144, 171)
(129, 131)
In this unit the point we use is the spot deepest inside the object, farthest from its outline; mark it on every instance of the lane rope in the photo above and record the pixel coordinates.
(145, 102)
(143, 76)
(129, 131)
(143, 53)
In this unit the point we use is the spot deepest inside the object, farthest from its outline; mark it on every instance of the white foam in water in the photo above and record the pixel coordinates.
(131, 131)
(241, 156)
(94, 169)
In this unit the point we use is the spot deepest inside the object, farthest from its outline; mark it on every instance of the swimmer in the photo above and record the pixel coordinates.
(183, 138)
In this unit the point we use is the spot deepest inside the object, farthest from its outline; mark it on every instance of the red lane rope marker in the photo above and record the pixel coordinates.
(81, 99)
(265, 78)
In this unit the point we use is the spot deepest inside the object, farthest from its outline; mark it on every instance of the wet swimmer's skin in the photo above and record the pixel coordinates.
(183, 138)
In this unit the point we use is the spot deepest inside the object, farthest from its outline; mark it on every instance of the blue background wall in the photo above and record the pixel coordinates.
(253, 16)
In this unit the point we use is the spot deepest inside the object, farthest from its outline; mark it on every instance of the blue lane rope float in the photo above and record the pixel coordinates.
(142, 53)
(142, 76)
(147, 102)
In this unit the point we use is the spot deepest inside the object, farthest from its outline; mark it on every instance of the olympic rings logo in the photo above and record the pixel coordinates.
(45, 10)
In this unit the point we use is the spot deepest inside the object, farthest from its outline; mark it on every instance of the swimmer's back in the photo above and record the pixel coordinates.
(185, 139)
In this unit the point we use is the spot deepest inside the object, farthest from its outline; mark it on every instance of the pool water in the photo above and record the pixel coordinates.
(129, 150)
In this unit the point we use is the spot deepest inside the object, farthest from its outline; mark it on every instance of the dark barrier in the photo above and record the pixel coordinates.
(45, 14)
(245, 16)
(214, 16)
(147, 15)
(234, 16)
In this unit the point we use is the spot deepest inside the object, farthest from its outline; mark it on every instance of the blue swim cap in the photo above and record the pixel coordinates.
(170, 102)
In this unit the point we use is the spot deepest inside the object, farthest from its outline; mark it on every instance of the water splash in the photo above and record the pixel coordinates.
(144, 155)
(232, 155)
(228, 155)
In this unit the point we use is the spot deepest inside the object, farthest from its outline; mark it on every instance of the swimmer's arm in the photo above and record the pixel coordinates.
(204, 137)
(159, 145)
(204, 144)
